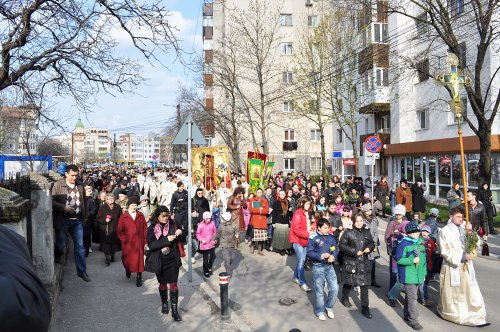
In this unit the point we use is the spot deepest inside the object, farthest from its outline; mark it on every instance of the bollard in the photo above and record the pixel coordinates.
(224, 295)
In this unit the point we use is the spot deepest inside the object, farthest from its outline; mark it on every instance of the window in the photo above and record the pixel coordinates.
(463, 54)
(423, 70)
(286, 20)
(380, 32)
(312, 21)
(316, 163)
(287, 77)
(287, 106)
(422, 27)
(422, 118)
(289, 135)
(289, 164)
(286, 48)
(340, 136)
(382, 77)
(315, 135)
(456, 7)
(366, 82)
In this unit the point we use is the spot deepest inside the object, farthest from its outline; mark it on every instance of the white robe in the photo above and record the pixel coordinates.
(460, 300)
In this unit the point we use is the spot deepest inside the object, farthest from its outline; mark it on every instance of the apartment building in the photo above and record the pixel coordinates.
(424, 140)
(98, 144)
(19, 130)
(293, 142)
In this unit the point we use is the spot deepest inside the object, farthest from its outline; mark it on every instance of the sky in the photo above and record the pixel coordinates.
(154, 101)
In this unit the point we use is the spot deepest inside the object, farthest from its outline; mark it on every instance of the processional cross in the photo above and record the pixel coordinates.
(455, 81)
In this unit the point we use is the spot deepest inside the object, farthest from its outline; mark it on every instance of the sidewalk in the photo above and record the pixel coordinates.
(110, 302)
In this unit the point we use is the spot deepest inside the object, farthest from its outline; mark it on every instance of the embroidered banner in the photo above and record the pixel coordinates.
(219, 156)
(255, 170)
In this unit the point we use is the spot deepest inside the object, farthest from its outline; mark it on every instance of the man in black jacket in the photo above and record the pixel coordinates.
(477, 214)
(24, 303)
(179, 205)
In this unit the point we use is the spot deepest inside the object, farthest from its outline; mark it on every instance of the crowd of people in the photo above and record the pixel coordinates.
(332, 226)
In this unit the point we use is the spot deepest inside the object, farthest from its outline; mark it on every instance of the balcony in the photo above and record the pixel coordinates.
(290, 146)
(208, 9)
(208, 79)
(375, 55)
(375, 108)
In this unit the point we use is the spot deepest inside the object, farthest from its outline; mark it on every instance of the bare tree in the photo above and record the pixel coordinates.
(341, 78)
(52, 147)
(477, 20)
(313, 65)
(68, 48)
(253, 36)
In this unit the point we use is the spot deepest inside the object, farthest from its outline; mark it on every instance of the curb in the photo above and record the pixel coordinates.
(205, 288)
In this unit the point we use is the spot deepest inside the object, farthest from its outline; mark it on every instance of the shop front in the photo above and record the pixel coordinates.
(439, 164)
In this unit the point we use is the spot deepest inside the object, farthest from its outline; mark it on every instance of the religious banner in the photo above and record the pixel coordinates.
(255, 169)
(268, 169)
(219, 157)
(209, 173)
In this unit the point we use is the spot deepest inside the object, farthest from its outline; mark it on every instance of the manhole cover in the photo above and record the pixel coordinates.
(287, 301)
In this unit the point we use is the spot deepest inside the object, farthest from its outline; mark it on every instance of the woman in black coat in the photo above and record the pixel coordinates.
(418, 199)
(485, 196)
(164, 240)
(107, 218)
(356, 244)
(281, 224)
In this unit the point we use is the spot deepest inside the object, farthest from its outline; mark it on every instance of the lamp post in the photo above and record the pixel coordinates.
(455, 80)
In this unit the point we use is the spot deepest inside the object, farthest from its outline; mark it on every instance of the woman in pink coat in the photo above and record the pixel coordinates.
(132, 229)
(206, 235)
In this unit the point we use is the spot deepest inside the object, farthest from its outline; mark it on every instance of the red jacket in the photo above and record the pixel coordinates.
(132, 233)
(258, 218)
(298, 231)
(430, 248)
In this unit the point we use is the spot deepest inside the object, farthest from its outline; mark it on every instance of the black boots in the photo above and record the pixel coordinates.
(108, 260)
(174, 298)
(345, 302)
(164, 301)
(112, 257)
(366, 312)
(139, 280)
(127, 274)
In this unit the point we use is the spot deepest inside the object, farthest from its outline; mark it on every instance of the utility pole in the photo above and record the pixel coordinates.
(114, 149)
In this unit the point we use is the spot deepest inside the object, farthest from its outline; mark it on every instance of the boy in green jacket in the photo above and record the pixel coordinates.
(412, 269)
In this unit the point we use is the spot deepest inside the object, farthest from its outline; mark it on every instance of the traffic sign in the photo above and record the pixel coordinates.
(373, 144)
(369, 161)
(337, 154)
(196, 135)
(373, 155)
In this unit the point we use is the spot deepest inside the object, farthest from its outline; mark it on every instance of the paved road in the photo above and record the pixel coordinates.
(111, 302)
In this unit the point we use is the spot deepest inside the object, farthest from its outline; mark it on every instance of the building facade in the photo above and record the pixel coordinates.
(424, 139)
(19, 130)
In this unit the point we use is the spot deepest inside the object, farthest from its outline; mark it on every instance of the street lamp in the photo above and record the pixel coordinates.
(455, 80)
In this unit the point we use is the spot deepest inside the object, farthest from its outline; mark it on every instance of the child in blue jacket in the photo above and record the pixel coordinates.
(322, 251)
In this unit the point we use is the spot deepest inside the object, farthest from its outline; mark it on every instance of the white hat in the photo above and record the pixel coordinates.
(400, 209)
(226, 216)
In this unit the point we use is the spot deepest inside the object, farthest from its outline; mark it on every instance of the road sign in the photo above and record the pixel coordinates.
(196, 135)
(373, 144)
(337, 154)
(369, 161)
(349, 162)
(373, 155)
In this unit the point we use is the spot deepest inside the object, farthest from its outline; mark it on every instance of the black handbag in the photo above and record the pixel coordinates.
(493, 210)
(153, 261)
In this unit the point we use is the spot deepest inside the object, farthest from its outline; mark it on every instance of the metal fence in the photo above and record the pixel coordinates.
(21, 185)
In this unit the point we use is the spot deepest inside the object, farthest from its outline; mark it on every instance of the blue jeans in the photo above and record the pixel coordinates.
(270, 230)
(322, 273)
(298, 273)
(75, 229)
